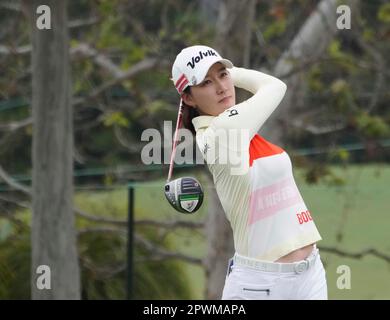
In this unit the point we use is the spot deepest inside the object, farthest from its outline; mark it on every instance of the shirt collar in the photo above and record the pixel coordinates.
(202, 122)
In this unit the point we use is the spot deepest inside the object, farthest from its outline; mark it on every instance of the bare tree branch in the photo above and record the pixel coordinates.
(315, 129)
(24, 205)
(158, 254)
(17, 186)
(350, 197)
(91, 217)
(7, 50)
(380, 68)
(102, 230)
(161, 254)
(171, 224)
(91, 124)
(11, 6)
(77, 156)
(139, 67)
(101, 60)
(144, 222)
(357, 255)
(303, 64)
(14, 184)
(15, 125)
(83, 22)
(102, 273)
(132, 147)
(7, 214)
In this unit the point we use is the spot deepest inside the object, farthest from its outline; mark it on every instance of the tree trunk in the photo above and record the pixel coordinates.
(234, 30)
(308, 45)
(219, 246)
(233, 41)
(53, 233)
(209, 10)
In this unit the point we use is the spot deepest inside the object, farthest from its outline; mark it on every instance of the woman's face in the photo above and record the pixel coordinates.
(214, 94)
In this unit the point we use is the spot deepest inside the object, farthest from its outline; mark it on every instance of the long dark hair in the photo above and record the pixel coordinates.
(189, 113)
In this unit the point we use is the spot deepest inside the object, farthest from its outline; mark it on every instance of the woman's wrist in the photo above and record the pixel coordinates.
(235, 74)
(252, 80)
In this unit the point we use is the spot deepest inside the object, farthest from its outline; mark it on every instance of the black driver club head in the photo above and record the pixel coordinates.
(184, 194)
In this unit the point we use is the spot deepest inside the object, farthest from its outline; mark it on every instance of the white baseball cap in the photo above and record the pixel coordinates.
(192, 64)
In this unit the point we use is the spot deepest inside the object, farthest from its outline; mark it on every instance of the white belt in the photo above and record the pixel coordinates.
(297, 267)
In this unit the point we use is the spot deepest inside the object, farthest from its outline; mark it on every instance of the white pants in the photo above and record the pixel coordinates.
(246, 283)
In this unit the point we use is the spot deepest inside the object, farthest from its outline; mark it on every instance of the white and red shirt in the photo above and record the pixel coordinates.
(261, 200)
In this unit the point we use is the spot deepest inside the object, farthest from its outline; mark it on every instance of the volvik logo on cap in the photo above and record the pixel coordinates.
(191, 65)
(196, 59)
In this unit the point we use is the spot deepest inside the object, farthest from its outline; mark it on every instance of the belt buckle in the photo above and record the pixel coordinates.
(301, 266)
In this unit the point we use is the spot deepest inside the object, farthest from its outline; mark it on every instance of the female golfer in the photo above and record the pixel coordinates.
(274, 233)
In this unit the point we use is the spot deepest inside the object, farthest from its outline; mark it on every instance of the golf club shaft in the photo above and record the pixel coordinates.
(178, 125)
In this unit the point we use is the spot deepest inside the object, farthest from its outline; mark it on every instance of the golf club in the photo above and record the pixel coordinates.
(184, 194)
